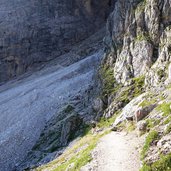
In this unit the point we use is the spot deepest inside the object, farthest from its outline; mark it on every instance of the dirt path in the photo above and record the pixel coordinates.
(115, 152)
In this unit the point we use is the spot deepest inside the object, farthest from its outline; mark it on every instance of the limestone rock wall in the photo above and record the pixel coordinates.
(36, 31)
(138, 40)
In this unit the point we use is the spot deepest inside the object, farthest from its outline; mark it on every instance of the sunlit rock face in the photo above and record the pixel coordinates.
(138, 40)
(36, 31)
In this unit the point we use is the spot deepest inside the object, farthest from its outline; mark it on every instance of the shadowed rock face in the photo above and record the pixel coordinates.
(36, 31)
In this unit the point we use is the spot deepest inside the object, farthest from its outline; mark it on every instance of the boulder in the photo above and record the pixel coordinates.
(142, 126)
(141, 113)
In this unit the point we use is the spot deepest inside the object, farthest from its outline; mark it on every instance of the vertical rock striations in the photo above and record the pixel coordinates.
(138, 40)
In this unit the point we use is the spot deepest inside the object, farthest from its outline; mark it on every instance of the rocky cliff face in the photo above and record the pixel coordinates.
(137, 57)
(137, 41)
(33, 32)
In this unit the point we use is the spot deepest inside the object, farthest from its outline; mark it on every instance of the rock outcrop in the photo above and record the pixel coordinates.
(138, 40)
(33, 32)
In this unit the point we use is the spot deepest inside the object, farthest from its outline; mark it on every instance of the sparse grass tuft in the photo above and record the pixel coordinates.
(130, 126)
(138, 85)
(163, 164)
(152, 136)
(165, 108)
(168, 129)
(107, 122)
(151, 123)
(108, 81)
(141, 6)
(146, 103)
(168, 120)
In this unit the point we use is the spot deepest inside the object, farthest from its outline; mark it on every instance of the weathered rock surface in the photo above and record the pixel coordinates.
(138, 34)
(129, 110)
(33, 32)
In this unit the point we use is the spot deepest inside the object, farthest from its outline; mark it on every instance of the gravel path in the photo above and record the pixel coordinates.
(30, 103)
(115, 152)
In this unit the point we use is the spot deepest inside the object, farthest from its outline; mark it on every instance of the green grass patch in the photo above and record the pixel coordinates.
(127, 126)
(107, 122)
(109, 85)
(132, 91)
(130, 126)
(165, 108)
(151, 123)
(138, 85)
(152, 136)
(146, 103)
(168, 129)
(168, 120)
(164, 164)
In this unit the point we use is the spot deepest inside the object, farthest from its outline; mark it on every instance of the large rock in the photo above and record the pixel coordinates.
(134, 110)
(141, 113)
(129, 110)
(98, 105)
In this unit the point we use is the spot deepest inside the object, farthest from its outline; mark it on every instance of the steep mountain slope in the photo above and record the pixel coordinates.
(134, 82)
(39, 100)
